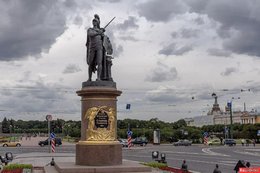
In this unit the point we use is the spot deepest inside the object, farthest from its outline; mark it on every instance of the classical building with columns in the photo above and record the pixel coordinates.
(217, 116)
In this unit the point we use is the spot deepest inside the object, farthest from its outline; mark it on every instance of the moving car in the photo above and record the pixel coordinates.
(140, 141)
(123, 142)
(45, 142)
(184, 142)
(11, 144)
(214, 142)
(229, 142)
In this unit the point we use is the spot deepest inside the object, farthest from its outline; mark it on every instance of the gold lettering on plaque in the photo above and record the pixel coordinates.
(101, 124)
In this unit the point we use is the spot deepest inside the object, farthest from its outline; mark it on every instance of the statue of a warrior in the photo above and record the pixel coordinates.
(99, 51)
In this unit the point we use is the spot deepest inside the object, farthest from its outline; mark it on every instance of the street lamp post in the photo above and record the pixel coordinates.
(231, 116)
(231, 119)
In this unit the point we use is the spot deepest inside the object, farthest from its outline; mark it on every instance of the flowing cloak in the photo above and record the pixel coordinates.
(107, 55)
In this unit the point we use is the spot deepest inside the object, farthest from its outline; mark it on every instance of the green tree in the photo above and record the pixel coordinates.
(5, 126)
(178, 124)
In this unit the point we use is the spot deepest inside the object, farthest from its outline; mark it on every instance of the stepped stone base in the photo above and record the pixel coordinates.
(126, 167)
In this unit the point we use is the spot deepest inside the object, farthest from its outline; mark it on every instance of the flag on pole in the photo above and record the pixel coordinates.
(128, 106)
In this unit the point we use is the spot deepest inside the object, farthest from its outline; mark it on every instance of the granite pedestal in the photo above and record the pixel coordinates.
(95, 151)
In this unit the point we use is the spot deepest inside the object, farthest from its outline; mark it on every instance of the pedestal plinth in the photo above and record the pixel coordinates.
(99, 154)
(98, 145)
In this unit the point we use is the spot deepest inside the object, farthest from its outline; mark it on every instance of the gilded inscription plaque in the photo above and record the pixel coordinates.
(101, 124)
(101, 120)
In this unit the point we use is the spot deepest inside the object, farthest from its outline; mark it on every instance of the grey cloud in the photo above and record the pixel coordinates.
(239, 19)
(199, 21)
(185, 33)
(173, 50)
(161, 11)
(164, 95)
(70, 3)
(130, 23)
(189, 33)
(117, 49)
(78, 20)
(111, 1)
(228, 71)
(238, 15)
(29, 27)
(219, 52)
(71, 68)
(128, 38)
(174, 34)
(197, 6)
(36, 96)
(245, 43)
(162, 73)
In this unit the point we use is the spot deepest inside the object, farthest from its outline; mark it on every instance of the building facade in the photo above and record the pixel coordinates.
(217, 116)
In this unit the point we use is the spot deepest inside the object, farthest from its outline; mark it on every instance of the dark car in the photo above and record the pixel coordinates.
(229, 142)
(140, 141)
(184, 142)
(45, 142)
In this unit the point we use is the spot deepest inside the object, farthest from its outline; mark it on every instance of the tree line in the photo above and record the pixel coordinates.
(169, 131)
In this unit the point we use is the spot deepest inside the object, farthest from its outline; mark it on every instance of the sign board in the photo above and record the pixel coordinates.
(205, 134)
(48, 117)
(249, 170)
(226, 129)
(52, 135)
(129, 133)
(229, 104)
(258, 132)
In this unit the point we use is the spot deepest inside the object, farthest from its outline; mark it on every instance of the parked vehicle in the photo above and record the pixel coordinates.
(214, 142)
(11, 144)
(230, 142)
(45, 142)
(172, 139)
(140, 141)
(184, 142)
(123, 142)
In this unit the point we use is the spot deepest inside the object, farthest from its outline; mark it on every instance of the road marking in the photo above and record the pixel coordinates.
(247, 153)
(208, 151)
(253, 149)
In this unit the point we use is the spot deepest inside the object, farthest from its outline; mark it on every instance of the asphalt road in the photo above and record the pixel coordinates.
(199, 158)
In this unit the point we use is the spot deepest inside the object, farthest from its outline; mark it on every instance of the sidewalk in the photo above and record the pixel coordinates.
(33, 141)
(42, 159)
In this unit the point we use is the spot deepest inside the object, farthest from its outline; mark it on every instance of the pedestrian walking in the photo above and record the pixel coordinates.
(254, 142)
(221, 140)
(216, 170)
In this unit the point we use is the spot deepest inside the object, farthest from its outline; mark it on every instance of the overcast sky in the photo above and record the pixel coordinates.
(170, 56)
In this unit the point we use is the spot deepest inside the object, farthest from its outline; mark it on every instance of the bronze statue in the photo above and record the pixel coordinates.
(99, 51)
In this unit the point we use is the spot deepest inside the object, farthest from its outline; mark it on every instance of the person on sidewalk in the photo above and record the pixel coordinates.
(184, 166)
(216, 170)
